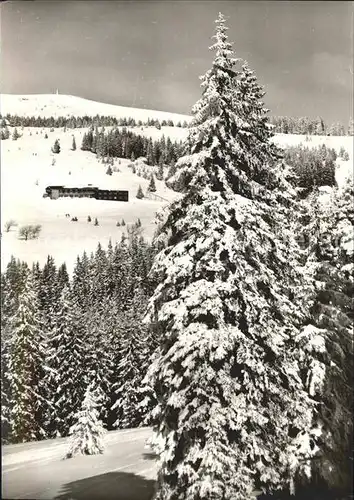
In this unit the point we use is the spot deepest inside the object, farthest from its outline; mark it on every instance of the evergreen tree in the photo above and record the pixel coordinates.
(140, 194)
(152, 186)
(66, 359)
(73, 146)
(122, 272)
(96, 223)
(99, 356)
(99, 278)
(320, 127)
(56, 147)
(87, 434)
(172, 170)
(233, 408)
(159, 174)
(15, 135)
(132, 335)
(109, 170)
(351, 127)
(26, 369)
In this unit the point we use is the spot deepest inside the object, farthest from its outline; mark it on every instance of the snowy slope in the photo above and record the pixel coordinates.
(47, 105)
(126, 470)
(26, 170)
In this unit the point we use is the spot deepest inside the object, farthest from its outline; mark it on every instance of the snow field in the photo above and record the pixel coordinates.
(27, 168)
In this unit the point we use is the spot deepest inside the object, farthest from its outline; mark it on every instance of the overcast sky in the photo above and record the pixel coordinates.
(147, 53)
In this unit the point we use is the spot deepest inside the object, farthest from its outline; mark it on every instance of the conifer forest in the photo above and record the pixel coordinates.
(229, 333)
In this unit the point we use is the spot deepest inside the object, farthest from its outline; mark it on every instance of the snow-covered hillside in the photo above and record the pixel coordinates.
(127, 469)
(27, 168)
(47, 105)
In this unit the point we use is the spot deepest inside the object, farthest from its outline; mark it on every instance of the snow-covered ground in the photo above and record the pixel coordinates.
(47, 105)
(125, 471)
(26, 170)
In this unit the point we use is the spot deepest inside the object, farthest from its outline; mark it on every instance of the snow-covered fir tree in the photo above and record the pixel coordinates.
(87, 433)
(152, 186)
(132, 335)
(12, 284)
(26, 365)
(81, 285)
(67, 376)
(233, 411)
(49, 291)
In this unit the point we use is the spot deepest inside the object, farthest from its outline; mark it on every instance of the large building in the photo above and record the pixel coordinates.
(55, 192)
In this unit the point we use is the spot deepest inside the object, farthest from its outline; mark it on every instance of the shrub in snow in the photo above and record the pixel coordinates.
(123, 222)
(109, 170)
(9, 224)
(87, 434)
(96, 223)
(46, 136)
(30, 232)
(346, 156)
(88, 218)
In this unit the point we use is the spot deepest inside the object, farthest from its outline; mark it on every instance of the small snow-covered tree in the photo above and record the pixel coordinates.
(233, 410)
(160, 173)
(87, 433)
(56, 147)
(9, 224)
(73, 146)
(152, 186)
(15, 135)
(351, 127)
